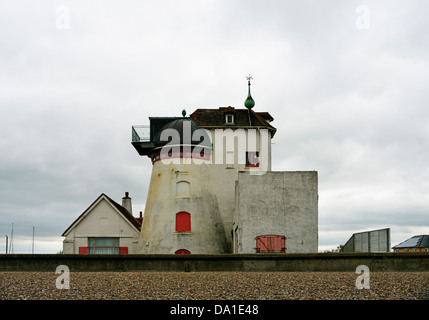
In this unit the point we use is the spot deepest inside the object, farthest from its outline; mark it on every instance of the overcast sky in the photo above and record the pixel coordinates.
(346, 82)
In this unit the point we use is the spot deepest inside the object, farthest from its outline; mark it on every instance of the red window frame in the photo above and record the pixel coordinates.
(252, 159)
(183, 221)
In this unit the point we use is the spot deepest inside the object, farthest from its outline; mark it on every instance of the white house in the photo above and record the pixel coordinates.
(105, 227)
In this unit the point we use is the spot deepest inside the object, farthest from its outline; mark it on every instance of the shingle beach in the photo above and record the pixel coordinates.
(214, 286)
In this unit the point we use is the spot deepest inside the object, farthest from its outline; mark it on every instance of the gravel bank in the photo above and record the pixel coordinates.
(214, 285)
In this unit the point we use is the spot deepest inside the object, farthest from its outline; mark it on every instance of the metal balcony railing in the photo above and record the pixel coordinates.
(141, 133)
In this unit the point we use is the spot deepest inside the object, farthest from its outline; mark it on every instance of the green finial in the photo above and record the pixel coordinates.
(249, 103)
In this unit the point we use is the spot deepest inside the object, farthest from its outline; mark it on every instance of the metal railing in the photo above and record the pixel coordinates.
(140, 133)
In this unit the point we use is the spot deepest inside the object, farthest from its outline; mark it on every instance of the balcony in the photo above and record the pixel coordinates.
(140, 139)
(141, 133)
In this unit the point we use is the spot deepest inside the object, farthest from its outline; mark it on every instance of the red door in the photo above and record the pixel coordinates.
(182, 251)
(270, 243)
(183, 222)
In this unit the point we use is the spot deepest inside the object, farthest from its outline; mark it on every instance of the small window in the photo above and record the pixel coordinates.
(183, 189)
(230, 159)
(229, 118)
(103, 245)
(252, 159)
(183, 222)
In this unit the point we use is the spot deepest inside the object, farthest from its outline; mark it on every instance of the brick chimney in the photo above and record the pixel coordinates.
(140, 219)
(126, 203)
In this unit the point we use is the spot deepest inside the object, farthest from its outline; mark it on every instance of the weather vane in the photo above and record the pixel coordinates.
(249, 103)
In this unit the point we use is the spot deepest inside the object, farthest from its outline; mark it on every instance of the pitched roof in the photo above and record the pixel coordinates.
(216, 118)
(127, 215)
(421, 241)
(265, 116)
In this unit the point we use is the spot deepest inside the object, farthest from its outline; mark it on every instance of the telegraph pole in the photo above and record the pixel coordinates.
(6, 243)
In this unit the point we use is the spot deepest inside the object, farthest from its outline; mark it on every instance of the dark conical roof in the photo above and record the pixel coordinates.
(185, 129)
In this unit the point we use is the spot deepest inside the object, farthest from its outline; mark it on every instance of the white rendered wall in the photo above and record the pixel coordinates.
(277, 203)
(102, 221)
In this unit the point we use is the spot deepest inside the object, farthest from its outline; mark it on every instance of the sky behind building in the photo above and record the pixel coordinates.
(346, 83)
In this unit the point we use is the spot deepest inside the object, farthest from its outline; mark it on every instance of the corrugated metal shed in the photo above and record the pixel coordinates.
(369, 241)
